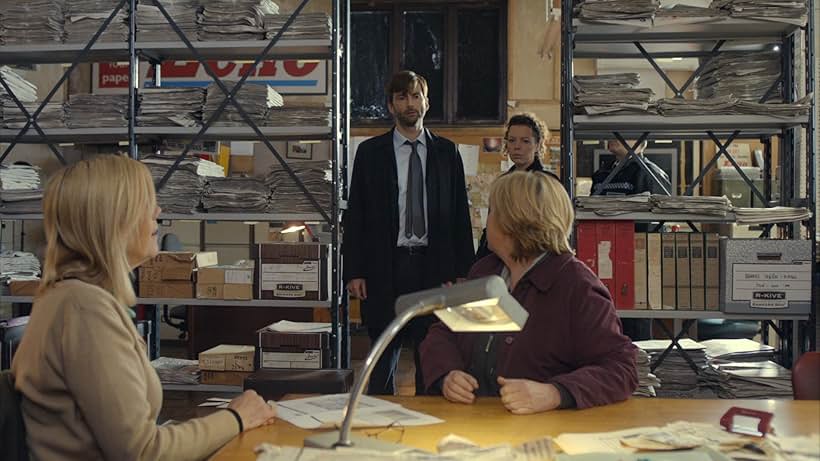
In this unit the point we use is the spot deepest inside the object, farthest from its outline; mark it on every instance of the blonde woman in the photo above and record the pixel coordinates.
(571, 352)
(88, 389)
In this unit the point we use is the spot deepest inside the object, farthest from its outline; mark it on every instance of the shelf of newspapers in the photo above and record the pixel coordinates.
(203, 302)
(682, 127)
(666, 31)
(244, 217)
(646, 216)
(214, 133)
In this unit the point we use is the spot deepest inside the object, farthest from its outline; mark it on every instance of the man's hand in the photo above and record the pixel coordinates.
(524, 396)
(459, 387)
(357, 288)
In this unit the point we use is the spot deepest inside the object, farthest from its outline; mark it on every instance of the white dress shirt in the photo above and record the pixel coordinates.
(402, 152)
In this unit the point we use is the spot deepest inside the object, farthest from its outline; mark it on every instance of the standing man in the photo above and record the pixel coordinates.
(407, 223)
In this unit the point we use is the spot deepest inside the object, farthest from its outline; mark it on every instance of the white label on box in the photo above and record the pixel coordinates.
(306, 267)
(240, 277)
(311, 358)
(771, 286)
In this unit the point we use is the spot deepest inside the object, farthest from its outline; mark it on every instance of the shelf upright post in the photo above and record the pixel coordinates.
(567, 103)
(133, 83)
(340, 176)
(335, 354)
(812, 326)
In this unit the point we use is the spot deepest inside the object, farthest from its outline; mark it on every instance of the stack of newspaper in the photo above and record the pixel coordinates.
(171, 107)
(255, 100)
(18, 265)
(611, 94)
(754, 380)
(20, 190)
(741, 74)
(677, 378)
(85, 17)
(153, 26)
(298, 116)
(306, 26)
(681, 107)
(234, 19)
(96, 110)
(737, 350)
(288, 196)
(798, 108)
(31, 21)
(647, 382)
(771, 215)
(176, 371)
(617, 11)
(786, 11)
(698, 205)
(686, 14)
(611, 205)
(182, 192)
(236, 195)
(24, 90)
(52, 115)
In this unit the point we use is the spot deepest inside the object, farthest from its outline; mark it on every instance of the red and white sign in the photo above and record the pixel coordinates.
(286, 77)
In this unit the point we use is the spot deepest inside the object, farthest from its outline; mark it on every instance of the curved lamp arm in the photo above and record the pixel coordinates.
(423, 307)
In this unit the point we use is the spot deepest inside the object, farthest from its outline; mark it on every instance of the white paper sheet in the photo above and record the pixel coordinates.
(469, 157)
(328, 411)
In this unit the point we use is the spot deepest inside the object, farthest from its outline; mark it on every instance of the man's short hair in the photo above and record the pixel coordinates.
(405, 81)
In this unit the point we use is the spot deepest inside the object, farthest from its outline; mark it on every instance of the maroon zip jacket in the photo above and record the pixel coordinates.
(572, 337)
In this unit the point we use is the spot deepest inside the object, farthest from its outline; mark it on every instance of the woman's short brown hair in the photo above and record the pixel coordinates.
(538, 127)
(535, 210)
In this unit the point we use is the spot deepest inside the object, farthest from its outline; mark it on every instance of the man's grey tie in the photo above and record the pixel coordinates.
(414, 213)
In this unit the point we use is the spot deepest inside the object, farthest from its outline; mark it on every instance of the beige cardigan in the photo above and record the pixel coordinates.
(89, 391)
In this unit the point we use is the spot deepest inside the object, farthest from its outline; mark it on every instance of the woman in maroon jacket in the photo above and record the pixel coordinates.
(571, 352)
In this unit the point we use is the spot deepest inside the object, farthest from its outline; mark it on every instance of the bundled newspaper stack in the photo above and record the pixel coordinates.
(787, 110)
(236, 195)
(97, 111)
(677, 378)
(740, 74)
(298, 116)
(306, 26)
(18, 265)
(612, 94)
(24, 90)
(234, 19)
(612, 205)
(770, 215)
(84, 17)
(617, 11)
(687, 14)
(176, 371)
(647, 382)
(153, 26)
(786, 11)
(20, 190)
(185, 187)
(753, 380)
(171, 107)
(31, 21)
(671, 107)
(255, 99)
(699, 205)
(289, 197)
(52, 115)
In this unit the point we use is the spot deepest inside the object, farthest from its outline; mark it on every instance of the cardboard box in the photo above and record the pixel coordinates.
(624, 265)
(224, 378)
(765, 276)
(241, 274)
(697, 271)
(654, 282)
(641, 290)
(682, 283)
(175, 265)
(668, 267)
(227, 357)
(167, 289)
(209, 290)
(24, 287)
(292, 271)
(297, 358)
(241, 165)
(712, 272)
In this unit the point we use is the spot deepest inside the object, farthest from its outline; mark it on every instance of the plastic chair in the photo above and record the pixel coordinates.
(806, 377)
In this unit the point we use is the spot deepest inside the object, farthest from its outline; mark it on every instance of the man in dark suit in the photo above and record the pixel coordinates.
(407, 223)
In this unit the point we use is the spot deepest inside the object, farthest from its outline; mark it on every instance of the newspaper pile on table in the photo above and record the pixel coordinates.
(20, 189)
(611, 94)
(24, 90)
(613, 205)
(771, 215)
(84, 17)
(96, 111)
(153, 26)
(52, 115)
(18, 265)
(647, 381)
(176, 371)
(753, 380)
(745, 75)
(737, 350)
(787, 11)
(234, 19)
(182, 192)
(306, 26)
(31, 21)
(171, 107)
(677, 378)
(632, 12)
(298, 116)
(288, 196)
(236, 194)
(254, 98)
(698, 205)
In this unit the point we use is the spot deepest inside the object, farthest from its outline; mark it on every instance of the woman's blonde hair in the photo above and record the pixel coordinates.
(91, 211)
(535, 210)
(538, 127)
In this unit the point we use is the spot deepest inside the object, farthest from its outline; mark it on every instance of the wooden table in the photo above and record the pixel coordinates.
(488, 423)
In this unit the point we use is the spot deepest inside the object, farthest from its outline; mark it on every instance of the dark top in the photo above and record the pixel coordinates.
(371, 222)
(572, 337)
(631, 179)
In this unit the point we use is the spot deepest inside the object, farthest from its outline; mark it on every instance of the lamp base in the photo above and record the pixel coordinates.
(328, 440)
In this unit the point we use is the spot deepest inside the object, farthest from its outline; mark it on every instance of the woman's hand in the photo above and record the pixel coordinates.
(524, 396)
(459, 387)
(253, 410)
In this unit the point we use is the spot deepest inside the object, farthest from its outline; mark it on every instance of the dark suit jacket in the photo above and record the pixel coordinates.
(371, 221)
(572, 337)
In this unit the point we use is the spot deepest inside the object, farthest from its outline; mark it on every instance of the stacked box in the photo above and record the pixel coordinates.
(308, 350)
(292, 271)
(226, 364)
(231, 282)
(170, 274)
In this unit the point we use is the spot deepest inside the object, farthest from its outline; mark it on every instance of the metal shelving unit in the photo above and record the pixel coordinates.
(704, 40)
(181, 48)
(206, 302)
(646, 216)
